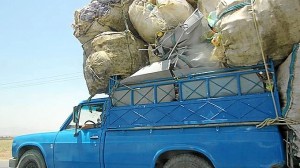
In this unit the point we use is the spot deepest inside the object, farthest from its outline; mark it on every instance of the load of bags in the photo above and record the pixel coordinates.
(249, 31)
(122, 36)
(106, 35)
(115, 35)
(119, 37)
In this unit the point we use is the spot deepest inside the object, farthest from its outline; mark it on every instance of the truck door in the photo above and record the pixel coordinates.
(83, 149)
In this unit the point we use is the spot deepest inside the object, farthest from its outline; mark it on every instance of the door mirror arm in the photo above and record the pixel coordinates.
(76, 116)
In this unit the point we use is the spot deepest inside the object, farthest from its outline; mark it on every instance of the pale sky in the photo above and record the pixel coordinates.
(40, 65)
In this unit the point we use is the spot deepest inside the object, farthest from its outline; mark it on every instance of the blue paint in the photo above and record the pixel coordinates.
(135, 136)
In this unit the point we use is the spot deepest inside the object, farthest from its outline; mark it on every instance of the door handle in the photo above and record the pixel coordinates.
(94, 137)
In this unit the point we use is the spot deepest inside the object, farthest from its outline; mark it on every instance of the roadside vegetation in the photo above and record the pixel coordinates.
(5, 148)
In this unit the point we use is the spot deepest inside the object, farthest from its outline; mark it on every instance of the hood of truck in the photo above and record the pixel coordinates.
(41, 141)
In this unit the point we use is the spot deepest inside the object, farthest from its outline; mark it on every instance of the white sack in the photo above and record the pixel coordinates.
(278, 24)
(98, 17)
(198, 55)
(283, 75)
(149, 19)
(114, 54)
(187, 44)
(290, 101)
(207, 6)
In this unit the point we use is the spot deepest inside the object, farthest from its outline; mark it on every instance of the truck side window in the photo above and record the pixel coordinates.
(89, 114)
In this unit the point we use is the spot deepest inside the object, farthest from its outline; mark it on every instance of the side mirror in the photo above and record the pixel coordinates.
(76, 110)
(75, 114)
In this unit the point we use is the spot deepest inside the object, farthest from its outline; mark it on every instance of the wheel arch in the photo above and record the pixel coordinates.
(26, 147)
(165, 154)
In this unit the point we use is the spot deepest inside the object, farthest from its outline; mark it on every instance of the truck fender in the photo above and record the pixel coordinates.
(34, 145)
(183, 148)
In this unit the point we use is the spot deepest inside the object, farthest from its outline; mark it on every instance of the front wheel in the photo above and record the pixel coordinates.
(187, 161)
(32, 159)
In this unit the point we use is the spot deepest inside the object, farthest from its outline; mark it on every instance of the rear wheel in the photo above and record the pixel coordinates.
(187, 161)
(32, 159)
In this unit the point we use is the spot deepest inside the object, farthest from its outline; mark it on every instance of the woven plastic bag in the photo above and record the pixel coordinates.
(115, 53)
(100, 16)
(278, 25)
(187, 44)
(207, 6)
(149, 19)
(288, 75)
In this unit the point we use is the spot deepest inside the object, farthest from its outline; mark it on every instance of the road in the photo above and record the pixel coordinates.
(3, 163)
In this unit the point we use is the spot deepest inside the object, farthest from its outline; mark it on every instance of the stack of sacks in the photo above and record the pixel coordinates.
(178, 32)
(158, 21)
(247, 29)
(278, 25)
(108, 48)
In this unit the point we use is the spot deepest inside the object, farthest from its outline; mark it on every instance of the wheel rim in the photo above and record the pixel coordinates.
(32, 164)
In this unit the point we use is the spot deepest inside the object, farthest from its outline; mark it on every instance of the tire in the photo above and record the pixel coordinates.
(187, 161)
(32, 159)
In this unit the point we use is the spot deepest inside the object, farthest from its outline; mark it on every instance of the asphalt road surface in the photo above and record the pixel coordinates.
(3, 163)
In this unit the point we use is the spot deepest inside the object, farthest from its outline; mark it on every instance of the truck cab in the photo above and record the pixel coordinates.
(201, 120)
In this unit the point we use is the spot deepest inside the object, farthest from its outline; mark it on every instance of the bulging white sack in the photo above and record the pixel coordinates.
(288, 76)
(114, 53)
(278, 25)
(100, 16)
(149, 19)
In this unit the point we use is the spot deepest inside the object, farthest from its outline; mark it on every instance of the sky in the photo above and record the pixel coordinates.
(41, 75)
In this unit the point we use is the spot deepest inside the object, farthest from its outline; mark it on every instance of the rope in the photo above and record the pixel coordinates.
(263, 57)
(233, 8)
(124, 16)
(268, 121)
(291, 78)
(277, 120)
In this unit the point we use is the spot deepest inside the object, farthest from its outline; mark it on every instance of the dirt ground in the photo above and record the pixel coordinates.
(5, 149)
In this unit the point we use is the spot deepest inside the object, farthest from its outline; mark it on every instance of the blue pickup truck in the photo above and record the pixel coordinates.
(190, 120)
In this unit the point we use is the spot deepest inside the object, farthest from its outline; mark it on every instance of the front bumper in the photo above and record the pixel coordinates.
(13, 162)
